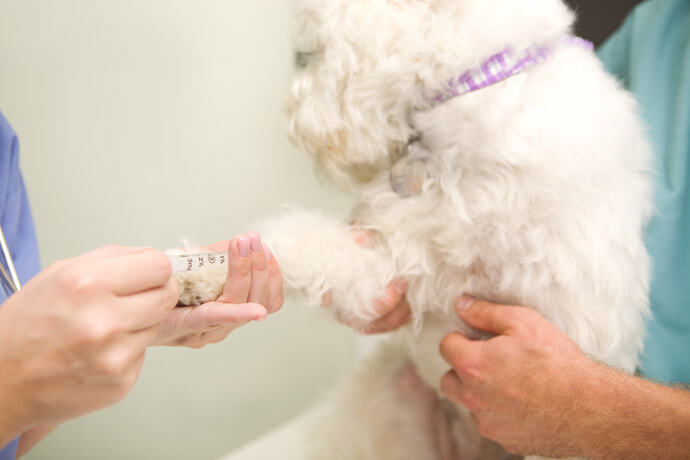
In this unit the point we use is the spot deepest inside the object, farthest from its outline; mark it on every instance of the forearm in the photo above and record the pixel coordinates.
(628, 417)
(32, 437)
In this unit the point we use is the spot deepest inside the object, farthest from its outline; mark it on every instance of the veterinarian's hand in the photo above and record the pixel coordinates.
(253, 289)
(392, 309)
(73, 339)
(521, 385)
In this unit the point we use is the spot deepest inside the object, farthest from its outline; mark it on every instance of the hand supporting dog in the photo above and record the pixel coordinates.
(531, 376)
(391, 308)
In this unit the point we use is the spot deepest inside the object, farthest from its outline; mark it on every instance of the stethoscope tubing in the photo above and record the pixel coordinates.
(14, 281)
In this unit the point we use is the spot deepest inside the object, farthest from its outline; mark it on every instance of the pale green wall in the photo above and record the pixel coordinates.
(143, 121)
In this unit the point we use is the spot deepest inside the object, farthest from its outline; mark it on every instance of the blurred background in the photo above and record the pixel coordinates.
(144, 121)
(598, 18)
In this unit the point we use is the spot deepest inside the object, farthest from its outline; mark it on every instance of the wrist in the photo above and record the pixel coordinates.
(600, 397)
(580, 408)
(14, 418)
(8, 426)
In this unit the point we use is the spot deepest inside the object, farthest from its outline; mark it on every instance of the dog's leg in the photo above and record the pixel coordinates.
(383, 411)
(318, 255)
(373, 414)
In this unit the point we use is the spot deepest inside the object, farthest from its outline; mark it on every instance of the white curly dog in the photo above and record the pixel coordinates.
(490, 154)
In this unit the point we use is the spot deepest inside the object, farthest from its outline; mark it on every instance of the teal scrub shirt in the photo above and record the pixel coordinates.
(651, 56)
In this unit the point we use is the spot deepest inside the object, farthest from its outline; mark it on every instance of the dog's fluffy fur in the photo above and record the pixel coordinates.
(537, 191)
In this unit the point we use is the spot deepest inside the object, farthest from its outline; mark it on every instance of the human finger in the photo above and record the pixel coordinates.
(451, 386)
(394, 320)
(238, 282)
(391, 298)
(145, 309)
(214, 314)
(275, 283)
(362, 236)
(485, 316)
(461, 392)
(129, 273)
(456, 350)
(258, 291)
(112, 250)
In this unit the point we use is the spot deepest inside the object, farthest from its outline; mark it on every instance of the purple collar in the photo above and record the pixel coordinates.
(502, 66)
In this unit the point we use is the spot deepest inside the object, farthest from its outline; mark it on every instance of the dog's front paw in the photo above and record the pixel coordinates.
(198, 287)
(319, 256)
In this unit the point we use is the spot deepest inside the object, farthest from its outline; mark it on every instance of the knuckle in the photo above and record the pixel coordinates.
(113, 364)
(470, 401)
(75, 281)
(90, 335)
(242, 268)
(274, 270)
(170, 294)
(95, 330)
(448, 383)
(522, 318)
(278, 303)
(161, 263)
(446, 347)
(127, 382)
(259, 261)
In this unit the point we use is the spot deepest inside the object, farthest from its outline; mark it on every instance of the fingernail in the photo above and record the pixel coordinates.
(267, 250)
(259, 313)
(256, 244)
(243, 246)
(465, 302)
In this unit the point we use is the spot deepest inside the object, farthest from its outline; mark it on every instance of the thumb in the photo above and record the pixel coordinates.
(213, 314)
(483, 315)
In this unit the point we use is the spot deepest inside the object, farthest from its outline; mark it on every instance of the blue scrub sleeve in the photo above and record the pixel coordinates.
(17, 224)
